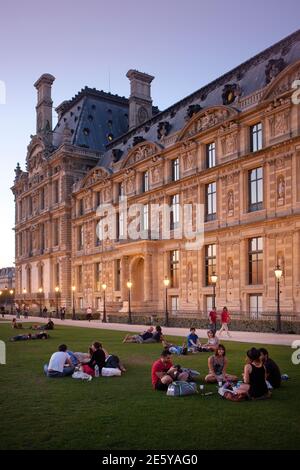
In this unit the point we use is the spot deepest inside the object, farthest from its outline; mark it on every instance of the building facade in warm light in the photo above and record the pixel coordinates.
(233, 146)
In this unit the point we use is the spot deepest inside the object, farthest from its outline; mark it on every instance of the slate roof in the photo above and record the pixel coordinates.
(249, 76)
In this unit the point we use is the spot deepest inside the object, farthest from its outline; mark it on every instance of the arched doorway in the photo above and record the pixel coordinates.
(137, 277)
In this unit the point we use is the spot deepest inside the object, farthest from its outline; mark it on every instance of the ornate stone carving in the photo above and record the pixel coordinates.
(207, 119)
(229, 144)
(230, 203)
(188, 154)
(192, 109)
(163, 129)
(130, 185)
(140, 153)
(230, 92)
(280, 190)
(273, 68)
(279, 123)
(156, 174)
(138, 140)
(96, 175)
(230, 268)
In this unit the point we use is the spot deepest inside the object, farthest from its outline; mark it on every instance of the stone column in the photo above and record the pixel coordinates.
(124, 277)
(147, 277)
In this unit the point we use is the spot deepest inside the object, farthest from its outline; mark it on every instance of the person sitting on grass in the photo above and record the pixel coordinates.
(157, 336)
(16, 325)
(98, 358)
(212, 343)
(164, 373)
(139, 338)
(254, 375)
(217, 366)
(49, 326)
(60, 364)
(272, 369)
(193, 342)
(112, 361)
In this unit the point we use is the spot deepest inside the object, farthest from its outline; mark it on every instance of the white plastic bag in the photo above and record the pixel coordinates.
(110, 372)
(78, 374)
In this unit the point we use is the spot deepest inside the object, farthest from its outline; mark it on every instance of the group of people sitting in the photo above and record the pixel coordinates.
(261, 373)
(151, 335)
(64, 362)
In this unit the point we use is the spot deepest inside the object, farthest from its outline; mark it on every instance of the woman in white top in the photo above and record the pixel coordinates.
(60, 364)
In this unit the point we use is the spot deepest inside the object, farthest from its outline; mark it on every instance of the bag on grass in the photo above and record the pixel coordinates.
(78, 374)
(110, 372)
(181, 388)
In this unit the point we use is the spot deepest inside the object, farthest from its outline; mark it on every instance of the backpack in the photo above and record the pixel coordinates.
(181, 388)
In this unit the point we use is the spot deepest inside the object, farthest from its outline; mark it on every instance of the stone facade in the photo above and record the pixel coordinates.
(209, 149)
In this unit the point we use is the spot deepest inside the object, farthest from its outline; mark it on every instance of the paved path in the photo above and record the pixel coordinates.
(239, 336)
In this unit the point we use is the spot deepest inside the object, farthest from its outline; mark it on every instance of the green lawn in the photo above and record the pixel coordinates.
(125, 413)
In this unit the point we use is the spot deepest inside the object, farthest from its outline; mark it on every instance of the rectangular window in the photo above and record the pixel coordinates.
(174, 268)
(209, 303)
(256, 137)
(145, 218)
(211, 201)
(174, 303)
(80, 238)
(56, 192)
(210, 262)
(175, 212)
(211, 155)
(121, 222)
(55, 232)
(56, 274)
(29, 280)
(81, 303)
(30, 205)
(80, 207)
(97, 199)
(79, 278)
(117, 274)
(255, 189)
(42, 237)
(256, 260)
(121, 191)
(255, 305)
(98, 276)
(145, 181)
(175, 169)
(41, 276)
(96, 234)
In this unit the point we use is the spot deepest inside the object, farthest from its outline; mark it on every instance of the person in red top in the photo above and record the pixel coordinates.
(163, 372)
(213, 320)
(225, 319)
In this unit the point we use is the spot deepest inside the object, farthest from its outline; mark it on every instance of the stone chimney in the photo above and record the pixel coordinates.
(140, 102)
(44, 103)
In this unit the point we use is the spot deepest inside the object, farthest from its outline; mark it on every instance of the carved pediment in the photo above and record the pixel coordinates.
(141, 152)
(283, 82)
(207, 119)
(39, 145)
(94, 176)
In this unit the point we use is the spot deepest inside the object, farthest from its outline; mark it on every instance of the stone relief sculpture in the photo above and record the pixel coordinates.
(279, 123)
(273, 68)
(156, 175)
(280, 190)
(230, 268)
(230, 203)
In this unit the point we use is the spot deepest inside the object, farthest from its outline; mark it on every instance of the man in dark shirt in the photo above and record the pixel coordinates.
(272, 369)
(139, 338)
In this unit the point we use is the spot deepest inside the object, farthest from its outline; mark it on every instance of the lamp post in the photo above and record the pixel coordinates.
(40, 297)
(104, 286)
(56, 295)
(278, 275)
(166, 284)
(213, 279)
(11, 301)
(73, 302)
(129, 286)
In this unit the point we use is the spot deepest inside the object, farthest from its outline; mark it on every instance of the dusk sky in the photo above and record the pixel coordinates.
(184, 44)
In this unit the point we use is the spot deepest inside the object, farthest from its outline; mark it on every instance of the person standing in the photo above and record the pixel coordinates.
(225, 319)
(213, 320)
(45, 311)
(89, 312)
(62, 313)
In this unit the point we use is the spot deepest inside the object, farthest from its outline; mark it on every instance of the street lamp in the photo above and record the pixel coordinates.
(278, 274)
(40, 297)
(213, 279)
(129, 286)
(104, 286)
(73, 302)
(11, 301)
(166, 284)
(56, 295)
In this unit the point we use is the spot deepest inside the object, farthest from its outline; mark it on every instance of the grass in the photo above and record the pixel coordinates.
(125, 413)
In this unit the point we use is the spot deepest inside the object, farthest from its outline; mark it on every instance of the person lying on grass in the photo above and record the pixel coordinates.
(212, 343)
(49, 326)
(174, 348)
(217, 365)
(60, 364)
(41, 335)
(141, 338)
(254, 386)
(164, 373)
